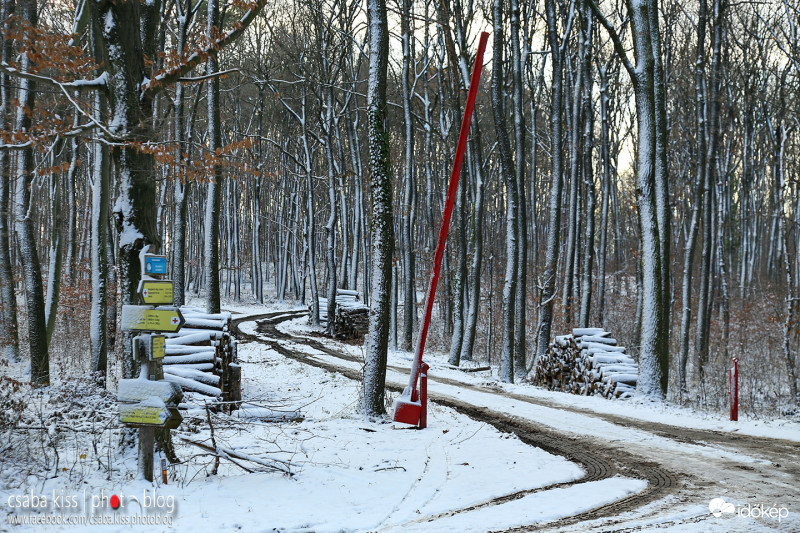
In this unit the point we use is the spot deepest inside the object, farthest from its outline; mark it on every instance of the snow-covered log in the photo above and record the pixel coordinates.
(193, 386)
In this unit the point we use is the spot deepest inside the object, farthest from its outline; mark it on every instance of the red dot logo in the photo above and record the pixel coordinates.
(114, 501)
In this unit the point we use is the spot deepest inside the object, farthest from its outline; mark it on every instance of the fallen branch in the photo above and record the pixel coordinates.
(230, 455)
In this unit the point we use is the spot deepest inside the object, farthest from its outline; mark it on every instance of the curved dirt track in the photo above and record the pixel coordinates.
(678, 477)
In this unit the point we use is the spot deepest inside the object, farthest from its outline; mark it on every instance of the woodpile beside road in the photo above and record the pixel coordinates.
(587, 362)
(352, 317)
(202, 358)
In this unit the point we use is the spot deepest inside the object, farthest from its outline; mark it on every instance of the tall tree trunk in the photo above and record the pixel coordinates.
(509, 178)
(372, 401)
(653, 357)
(548, 291)
(330, 227)
(570, 259)
(476, 232)
(26, 233)
(588, 164)
(789, 324)
(710, 159)
(181, 185)
(135, 207)
(56, 249)
(698, 201)
(215, 187)
(459, 275)
(520, 296)
(605, 159)
(101, 178)
(654, 320)
(9, 343)
(409, 196)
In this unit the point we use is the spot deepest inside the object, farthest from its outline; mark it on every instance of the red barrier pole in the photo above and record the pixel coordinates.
(448, 210)
(735, 390)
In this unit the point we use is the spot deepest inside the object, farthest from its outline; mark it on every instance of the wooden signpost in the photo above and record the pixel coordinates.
(149, 402)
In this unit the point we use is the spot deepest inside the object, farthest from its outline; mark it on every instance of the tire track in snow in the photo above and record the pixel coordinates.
(599, 462)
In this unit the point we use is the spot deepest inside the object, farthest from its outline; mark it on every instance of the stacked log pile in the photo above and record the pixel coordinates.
(352, 317)
(587, 362)
(202, 358)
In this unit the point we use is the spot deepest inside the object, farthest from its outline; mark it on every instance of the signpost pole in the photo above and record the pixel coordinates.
(138, 398)
(146, 433)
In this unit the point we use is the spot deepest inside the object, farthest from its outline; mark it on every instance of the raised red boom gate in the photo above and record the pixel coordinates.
(411, 407)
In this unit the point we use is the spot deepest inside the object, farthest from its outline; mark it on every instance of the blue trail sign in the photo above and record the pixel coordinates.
(155, 265)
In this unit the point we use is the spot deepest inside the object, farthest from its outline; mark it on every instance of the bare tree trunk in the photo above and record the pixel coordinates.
(697, 203)
(56, 249)
(476, 226)
(101, 181)
(587, 163)
(512, 209)
(459, 276)
(570, 259)
(70, 269)
(409, 190)
(26, 233)
(789, 323)
(372, 401)
(605, 158)
(215, 186)
(181, 187)
(9, 343)
(654, 335)
(548, 284)
(710, 160)
(330, 227)
(520, 296)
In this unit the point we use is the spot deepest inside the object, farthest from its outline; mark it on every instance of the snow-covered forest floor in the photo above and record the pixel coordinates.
(335, 471)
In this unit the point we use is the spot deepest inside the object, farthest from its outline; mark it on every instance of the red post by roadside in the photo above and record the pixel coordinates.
(423, 395)
(734, 392)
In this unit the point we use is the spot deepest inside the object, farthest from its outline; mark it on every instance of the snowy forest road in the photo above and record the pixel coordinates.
(684, 468)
